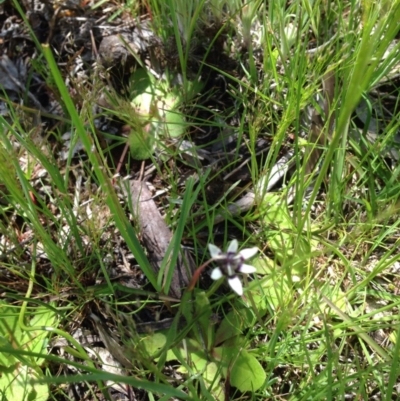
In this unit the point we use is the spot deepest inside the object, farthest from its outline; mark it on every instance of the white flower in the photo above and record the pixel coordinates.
(231, 263)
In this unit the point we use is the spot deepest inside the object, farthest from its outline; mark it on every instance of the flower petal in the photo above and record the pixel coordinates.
(216, 274)
(233, 246)
(248, 253)
(236, 285)
(247, 269)
(214, 250)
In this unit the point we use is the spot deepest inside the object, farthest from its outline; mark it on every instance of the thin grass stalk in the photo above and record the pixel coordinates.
(174, 249)
(19, 187)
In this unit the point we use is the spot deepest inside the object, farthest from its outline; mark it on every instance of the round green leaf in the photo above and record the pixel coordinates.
(247, 374)
(153, 343)
(141, 143)
(174, 123)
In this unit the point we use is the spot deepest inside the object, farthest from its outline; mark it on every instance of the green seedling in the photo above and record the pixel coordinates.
(212, 352)
(19, 373)
(156, 104)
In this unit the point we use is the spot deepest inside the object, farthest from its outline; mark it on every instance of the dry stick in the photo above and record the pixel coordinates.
(156, 236)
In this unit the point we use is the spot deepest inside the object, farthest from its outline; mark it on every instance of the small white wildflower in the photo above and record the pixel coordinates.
(231, 263)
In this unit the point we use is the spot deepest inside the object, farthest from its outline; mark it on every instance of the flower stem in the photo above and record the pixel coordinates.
(196, 275)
